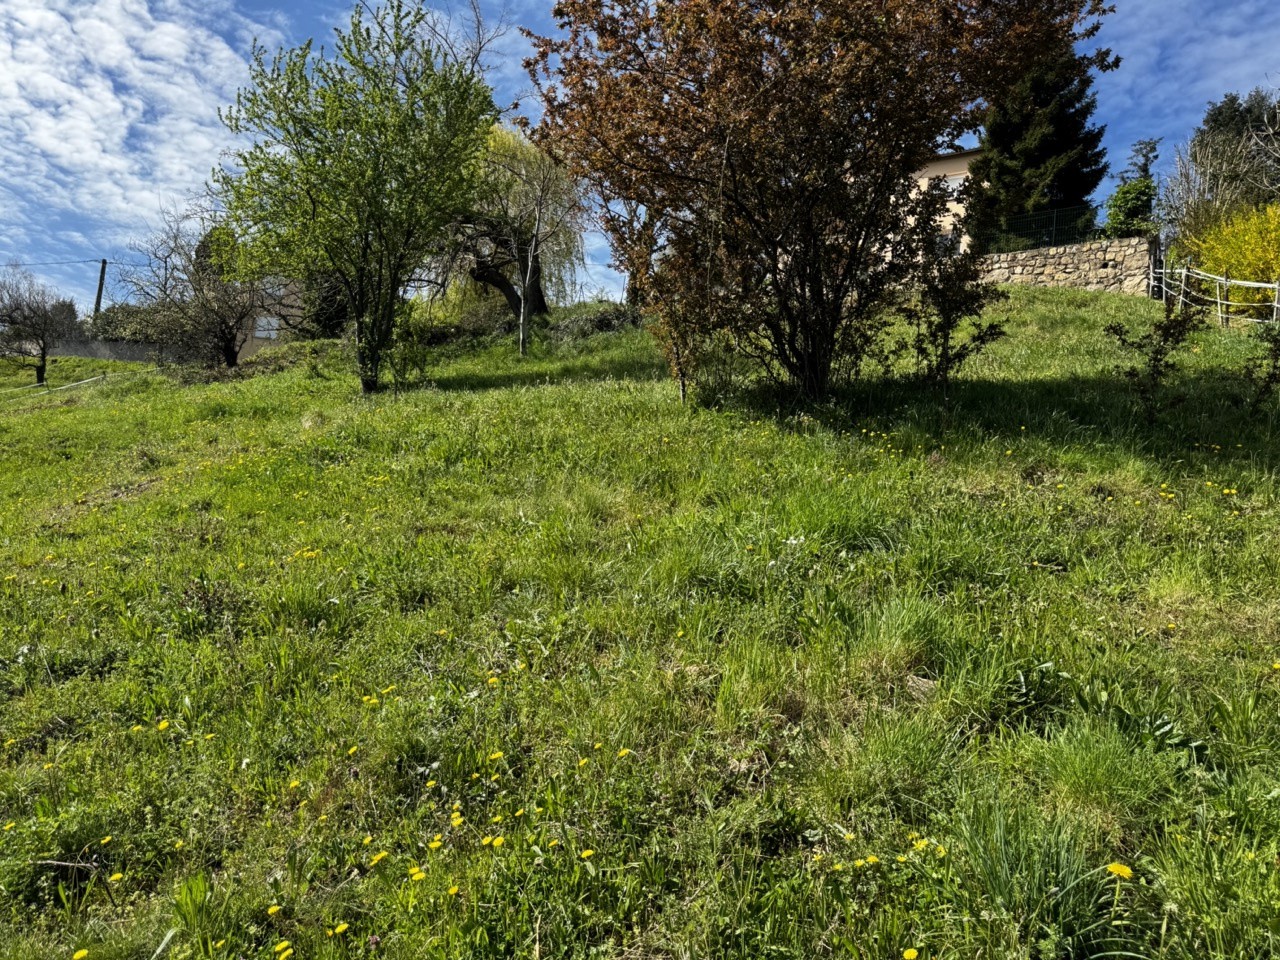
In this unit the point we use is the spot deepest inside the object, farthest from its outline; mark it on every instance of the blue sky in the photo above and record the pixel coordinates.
(108, 108)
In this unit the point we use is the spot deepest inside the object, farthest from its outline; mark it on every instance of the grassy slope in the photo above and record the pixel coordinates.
(896, 678)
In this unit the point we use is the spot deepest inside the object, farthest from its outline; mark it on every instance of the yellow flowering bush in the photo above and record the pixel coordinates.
(1243, 247)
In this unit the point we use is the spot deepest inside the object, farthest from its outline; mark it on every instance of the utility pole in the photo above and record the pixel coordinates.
(102, 282)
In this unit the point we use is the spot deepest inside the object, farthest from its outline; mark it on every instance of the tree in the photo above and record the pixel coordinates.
(34, 319)
(1131, 209)
(361, 160)
(1208, 185)
(1039, 150)
(1245, 133)
(191, 299)
(772, 148)
(527, 224)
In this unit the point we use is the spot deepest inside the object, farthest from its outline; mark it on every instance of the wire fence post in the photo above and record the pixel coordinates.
(1275, 306)
(1182, 290)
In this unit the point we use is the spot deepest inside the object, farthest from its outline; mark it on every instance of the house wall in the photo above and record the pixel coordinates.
(1117, 266)
(954, 168)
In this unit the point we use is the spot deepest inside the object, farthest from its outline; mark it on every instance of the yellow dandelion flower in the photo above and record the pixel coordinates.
(873, 859)
(9, 826)
(583, 762)
(282, 945)
(386, 690)
(378, 857)
(417, 876)
(286, 955)
(178, 844)
(294, 784)
(106, 839)
(486, 841)
(162, 725)
(340, 929)
(859, 863)
(624, 752)
(553, 843)
(434, 845)
(352, 751)
(430, 784)
(273, 910)
(135, 728)
(367, 840)
(920, 845)
(79, 955)
(493, 681)
(496, 755)
(597, 746)
(587, 854)
(115, 878)
(498, 841)
(910, 953)
(1120, 870)
(519, 813)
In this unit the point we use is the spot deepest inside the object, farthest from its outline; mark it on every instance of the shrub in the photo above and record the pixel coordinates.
(1129, 211)
(1245, 246)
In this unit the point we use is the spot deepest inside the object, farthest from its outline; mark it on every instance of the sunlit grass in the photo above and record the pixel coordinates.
(534, 661)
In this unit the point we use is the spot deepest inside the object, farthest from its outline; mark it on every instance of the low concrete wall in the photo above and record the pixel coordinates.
(1117, 266)
(108, 350)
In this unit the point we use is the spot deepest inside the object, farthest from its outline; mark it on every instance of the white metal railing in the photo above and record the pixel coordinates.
(1197, 288)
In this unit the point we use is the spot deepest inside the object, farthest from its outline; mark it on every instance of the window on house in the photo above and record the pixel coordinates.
(266, 327)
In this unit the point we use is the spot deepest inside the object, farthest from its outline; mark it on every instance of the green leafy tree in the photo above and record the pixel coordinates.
(1131, 209)
(525, 231)
(1039, 150)
(361, 159)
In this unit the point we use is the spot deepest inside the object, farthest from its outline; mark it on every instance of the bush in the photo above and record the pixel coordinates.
(1245, 246)
(585, 319)
(1129, 211)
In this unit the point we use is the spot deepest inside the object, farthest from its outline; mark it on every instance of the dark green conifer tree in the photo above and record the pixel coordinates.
(1039, 151)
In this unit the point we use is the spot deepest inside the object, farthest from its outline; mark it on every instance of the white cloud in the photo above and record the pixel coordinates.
(109, 109)
(1178, 56)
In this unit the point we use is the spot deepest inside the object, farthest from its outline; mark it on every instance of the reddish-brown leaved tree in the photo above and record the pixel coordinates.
(772, 146)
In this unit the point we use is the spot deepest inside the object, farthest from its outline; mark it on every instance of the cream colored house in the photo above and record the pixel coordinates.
(954, 169)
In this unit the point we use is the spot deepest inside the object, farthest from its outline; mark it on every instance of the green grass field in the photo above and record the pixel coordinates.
(536, 662)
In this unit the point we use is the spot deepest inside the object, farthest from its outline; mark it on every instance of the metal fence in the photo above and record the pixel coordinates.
(1230, 299)
(1031, 231)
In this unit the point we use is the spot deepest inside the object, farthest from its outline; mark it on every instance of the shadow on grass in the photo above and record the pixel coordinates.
(628, 358)
(1204, 410)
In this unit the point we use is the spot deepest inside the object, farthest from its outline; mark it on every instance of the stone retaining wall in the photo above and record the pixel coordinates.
(1117, 266)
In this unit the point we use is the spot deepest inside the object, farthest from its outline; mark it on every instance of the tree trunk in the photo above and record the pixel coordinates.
(533, 291)
(41, 365)
(814, 374)
(492, 277)
(368, 360)
(230, 353)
